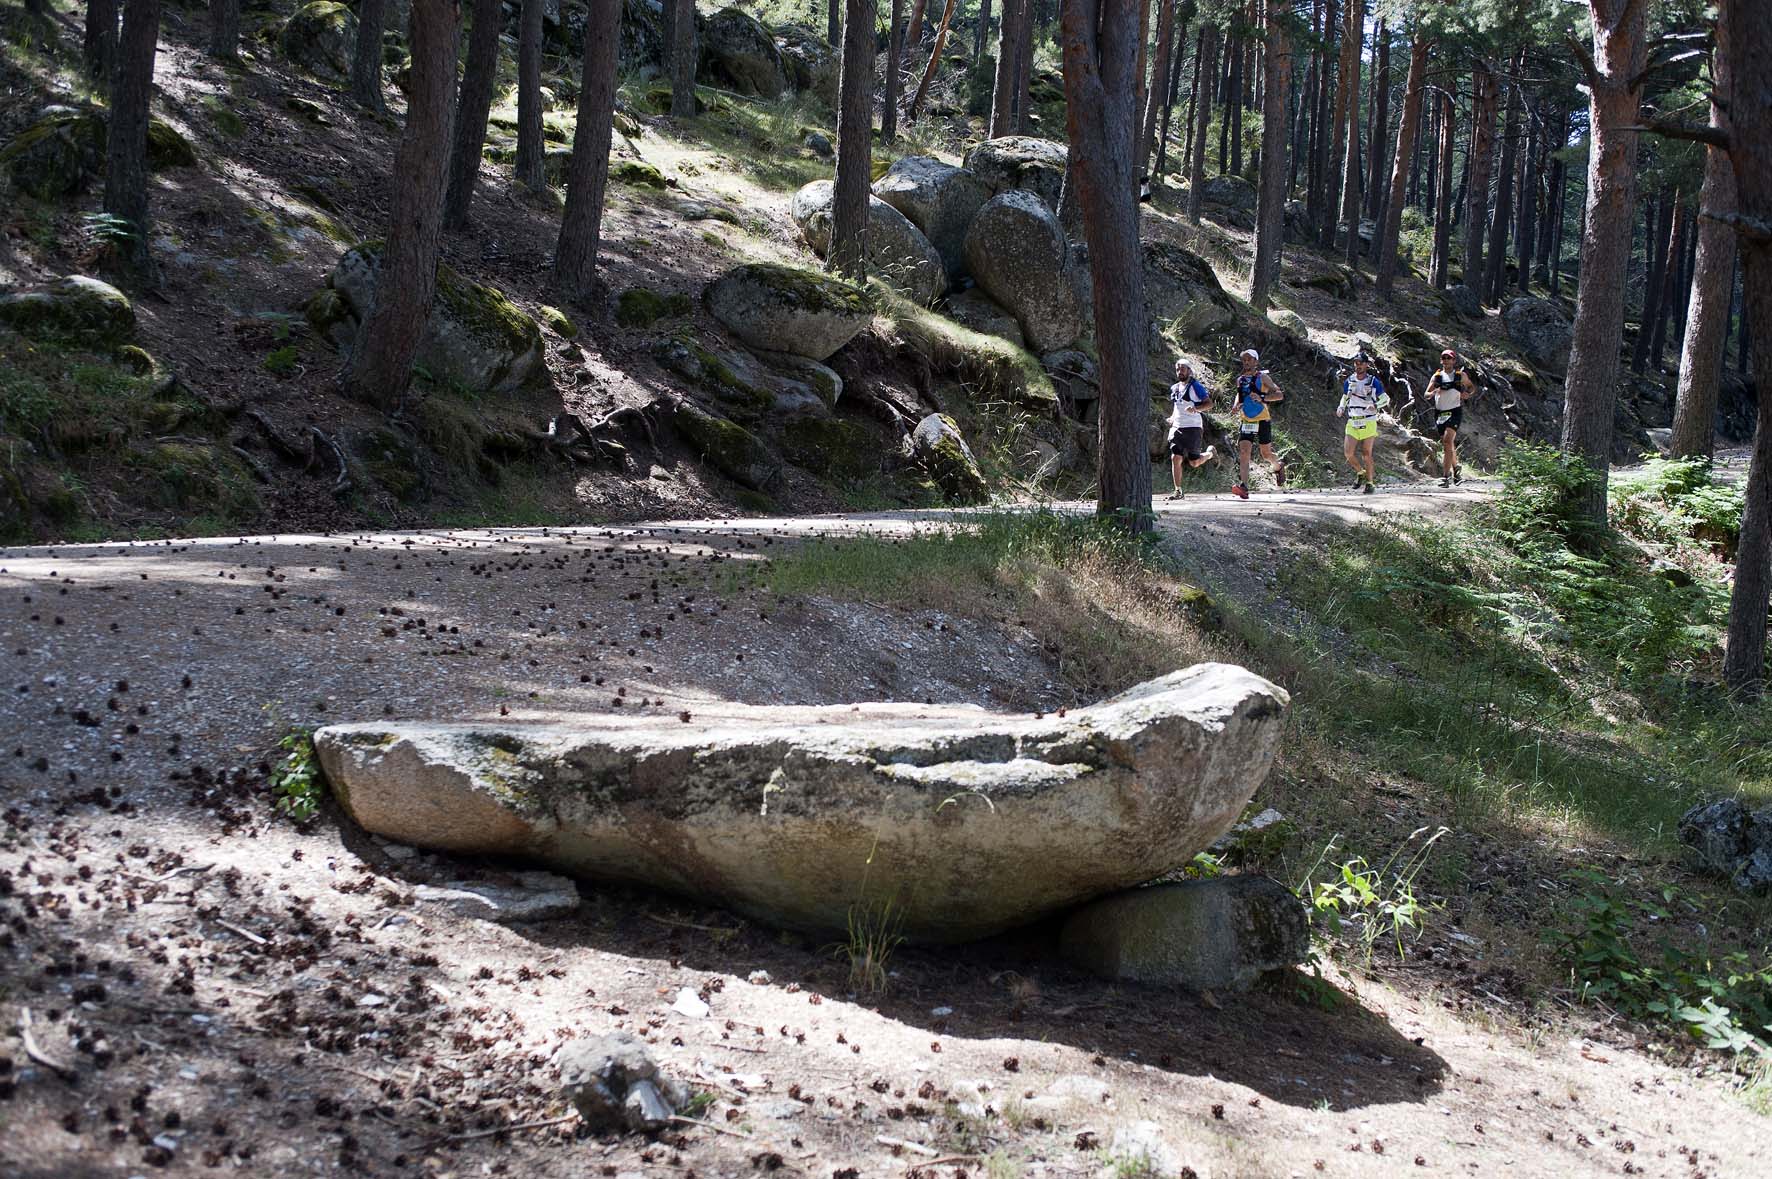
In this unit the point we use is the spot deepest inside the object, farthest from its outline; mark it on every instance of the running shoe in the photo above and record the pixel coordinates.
(1458, 474)
(1178, 493)
(1445, 481)
(1240, 491)
(1359, 481)
(1368, 490)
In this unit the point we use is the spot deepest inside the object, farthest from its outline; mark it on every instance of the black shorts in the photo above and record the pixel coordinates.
(1185, 441)
(1261, 433)
(1448, 419)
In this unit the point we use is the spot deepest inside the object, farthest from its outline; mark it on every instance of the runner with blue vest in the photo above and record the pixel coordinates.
(1362, 399)
(1256, 390)
(1187, 398)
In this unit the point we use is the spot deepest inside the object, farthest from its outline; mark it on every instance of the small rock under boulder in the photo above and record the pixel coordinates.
(528, 896)
(803, 817)
(615, 1084)
(786, 309)
(893, 248)
(1222, 933)
(972, 308)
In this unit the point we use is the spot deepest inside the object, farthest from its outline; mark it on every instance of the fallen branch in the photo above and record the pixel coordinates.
(344, 471)
(35, 1052)
(901, 1144)
(245, 933)
(711, 1126)
(510, 1128)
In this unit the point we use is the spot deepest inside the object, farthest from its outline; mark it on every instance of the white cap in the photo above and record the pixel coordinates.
(1184, 362)
(1251, 353)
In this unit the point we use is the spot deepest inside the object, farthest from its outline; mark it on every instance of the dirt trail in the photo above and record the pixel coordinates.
(229, 990)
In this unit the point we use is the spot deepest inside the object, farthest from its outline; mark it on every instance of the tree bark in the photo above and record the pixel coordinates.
(1485, 96)
(372, 18)
(1100, 59)
(1347, 96)
(1495, 272)
(684, 51)
(1407, 126)
(1173, 89)
(1008, 51)
(1205, 80)
(1024, 69)
(1270, 207)
(1440, 266)
(224, 29)
(1713, 277)
(380, 364)
(587, 179)
(471, 110)
(855, 124)
(531, 147)
(1525, 241)
(1658, 221)
(1559, 213)
(1351, 171)
(1673, 272)
(982, 37)
(100, 45)
(1158, 100)
(1591, 390)
(1381, 100)
(941, 40)
(833, 22)
(894, 79)
(126, 143)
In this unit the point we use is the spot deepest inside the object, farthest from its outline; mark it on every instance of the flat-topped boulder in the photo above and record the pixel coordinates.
(786, 309)
(967, 822)
(1020, 162)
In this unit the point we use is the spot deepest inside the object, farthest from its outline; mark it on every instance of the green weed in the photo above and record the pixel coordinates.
(296, 782)
(1378, 902)
(873, 936)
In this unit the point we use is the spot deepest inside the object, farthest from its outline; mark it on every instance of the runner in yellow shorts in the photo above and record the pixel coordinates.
(1362, 399)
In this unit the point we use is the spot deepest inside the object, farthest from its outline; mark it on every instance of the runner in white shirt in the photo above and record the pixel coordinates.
(1450, 387)
(1362, 399)
(1187, 398)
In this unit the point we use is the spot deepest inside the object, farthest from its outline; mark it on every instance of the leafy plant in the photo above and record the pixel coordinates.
(296, 782)
(280, 362)
(1375, 901)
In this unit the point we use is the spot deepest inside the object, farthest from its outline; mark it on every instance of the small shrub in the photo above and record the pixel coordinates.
(281, 362)
(295, 782)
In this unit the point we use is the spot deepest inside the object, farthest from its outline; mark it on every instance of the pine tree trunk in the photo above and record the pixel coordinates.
(1223, 85)
(833, 24)
(684, 53)
(1024, 70)
(1658, 225)
(982, 37)
(1158, 100)
(1008, 51)
(1381, 100)
(99, 48)
(1485, 97)
(126, 143)
(372, 18)
(1100, 59)
(1750, 153)
(587, 178)
(1559, 213)
(1408, 125)
(1495, 272)
(1234, 115)
(380, 364)
(1713, 279)
(471, 110)
(1351, 169)
(1270, 208)
(913, 36)
(1673, 273)
(1556, 129)
(1525, 240)
(1347, 101)
(894, 79)
(941, 39)
(1322, 192)
(224, 29)
(1441, 265)
(531, 147)
(855, 124)
(1591, 392)
(1205, 79)
(1172, 98)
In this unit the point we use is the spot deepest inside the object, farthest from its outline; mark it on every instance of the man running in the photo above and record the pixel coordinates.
(1450, 387)
(1187, 429)
(1362, 399)
(1255, 425)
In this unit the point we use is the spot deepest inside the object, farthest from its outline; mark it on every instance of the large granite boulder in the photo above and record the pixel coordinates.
(1538, 328)
(895, 249)
(939, 199)
(65, 148)
(1231, 199)
(73, 309)
(807, 817)
(475, 337)
(1020, 161)
(1465, 301)
(1016, 251)
(1727, 839)
(786, 309)
(738, 53)
(1201, 934)
(808, 61)
(939, 450)
(321, 38)
(726, 446)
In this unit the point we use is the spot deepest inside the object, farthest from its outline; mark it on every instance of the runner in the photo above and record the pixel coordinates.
(1362, 398)
(1450, 387)
(1255, 427)
(1187, 398)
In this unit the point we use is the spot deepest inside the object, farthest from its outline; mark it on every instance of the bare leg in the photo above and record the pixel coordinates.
(1243, 448)
(1348, 443)
(1371, 470)
(1267, 454)
(1175, 470)
(1451, 452)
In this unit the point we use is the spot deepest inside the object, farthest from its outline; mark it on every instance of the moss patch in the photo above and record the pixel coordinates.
(639, 307)
(843, 452)
(638, 173)
(727, 446)
(558, 322)
(999, 367)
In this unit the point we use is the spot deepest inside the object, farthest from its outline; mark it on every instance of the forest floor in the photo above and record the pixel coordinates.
(220, 987)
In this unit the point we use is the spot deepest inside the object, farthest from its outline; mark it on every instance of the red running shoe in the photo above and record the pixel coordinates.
(1240, 491)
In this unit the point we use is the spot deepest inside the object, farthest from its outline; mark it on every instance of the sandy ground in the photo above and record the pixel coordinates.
(228, 991)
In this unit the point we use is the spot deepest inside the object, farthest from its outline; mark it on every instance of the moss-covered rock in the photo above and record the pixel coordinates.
(167, 146)
(997, 366)
(65, 148)
(136, 360)
(831, 448)
(392, 459)
(192, 475)
(321, 38)
(330, 316)
(559, 322)
(1290, 322)
(786, 309)
(308, 110)
(475, 338)
(938, 447)
(727, 446)
(639, 307)
(731, 376)
(75, 309)
(638, 173)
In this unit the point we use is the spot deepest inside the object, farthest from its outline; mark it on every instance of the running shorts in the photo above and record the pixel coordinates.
(1362, 428)
(1449, 419)
(1261, 432)
(1185, 441)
